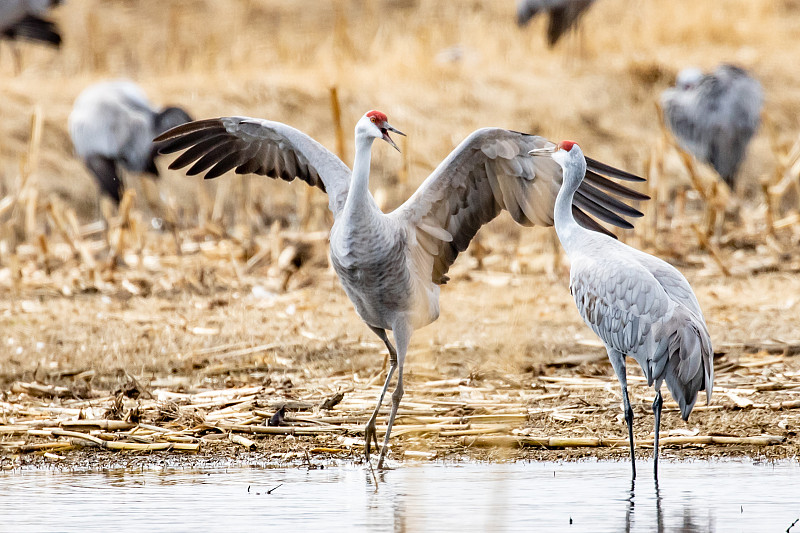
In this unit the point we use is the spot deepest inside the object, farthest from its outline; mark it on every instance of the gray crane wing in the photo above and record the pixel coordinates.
(716, 118)
(491, 171)
(257, 146)
(630, 309)
(672, 281)
(621, 303)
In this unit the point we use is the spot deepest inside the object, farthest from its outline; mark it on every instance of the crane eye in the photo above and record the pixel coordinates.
(373, 120)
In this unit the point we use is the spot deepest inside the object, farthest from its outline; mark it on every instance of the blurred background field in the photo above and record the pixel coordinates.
(86, 309)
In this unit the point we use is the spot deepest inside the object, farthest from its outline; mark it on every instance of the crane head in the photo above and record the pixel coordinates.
(569, 157)
(688, 78)
(566, 145)
(380, 122)
(551, 149)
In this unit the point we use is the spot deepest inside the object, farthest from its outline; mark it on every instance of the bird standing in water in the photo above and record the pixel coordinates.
(639, 305)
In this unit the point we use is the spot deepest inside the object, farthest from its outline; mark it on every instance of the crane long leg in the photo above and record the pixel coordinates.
(657, 403)
(618, 362)
(369, 431)
(392, 352)
(402, 336)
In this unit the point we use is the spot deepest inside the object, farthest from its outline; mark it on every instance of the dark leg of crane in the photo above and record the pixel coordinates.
(369, 431)
(402, 336)
(618, 362)
(392, 352)
(657, 403)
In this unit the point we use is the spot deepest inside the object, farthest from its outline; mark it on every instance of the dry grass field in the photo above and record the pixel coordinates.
(191, 351)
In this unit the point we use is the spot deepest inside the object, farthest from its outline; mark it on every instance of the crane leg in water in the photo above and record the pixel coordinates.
(657, 403)
(618, 362)
(369, 431)
(402, 336)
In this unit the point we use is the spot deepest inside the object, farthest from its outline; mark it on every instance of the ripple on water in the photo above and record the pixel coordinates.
(584, 496)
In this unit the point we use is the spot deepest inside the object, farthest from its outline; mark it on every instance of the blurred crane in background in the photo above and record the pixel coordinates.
(639, 305)
(24, 19)
(112, 125)
(391, 265)
(564, 15)
(714, 116)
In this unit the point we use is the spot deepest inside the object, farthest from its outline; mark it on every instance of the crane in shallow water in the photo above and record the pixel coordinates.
(391, 265)
(639, 305)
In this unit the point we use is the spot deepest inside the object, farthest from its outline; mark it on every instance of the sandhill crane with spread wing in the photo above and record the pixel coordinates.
(24, 19)
(714, 116)
(564, 15)
(112, 125)
(391, 265)
(639, 305)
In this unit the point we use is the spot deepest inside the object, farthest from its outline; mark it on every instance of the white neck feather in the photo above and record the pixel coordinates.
(359, 198)
(573, 170)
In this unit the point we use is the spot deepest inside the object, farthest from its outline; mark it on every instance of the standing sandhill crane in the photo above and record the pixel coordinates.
(23, 19)
(391, 265)
(564, 15)
(714, 116)
(113, 123)
(639, 305)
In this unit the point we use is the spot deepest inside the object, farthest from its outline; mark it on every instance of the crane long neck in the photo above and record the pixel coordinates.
(359, 196)
(567, 228)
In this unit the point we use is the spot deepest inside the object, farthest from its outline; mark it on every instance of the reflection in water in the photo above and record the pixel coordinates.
(659, 512)
(690, 497)
(685, 523)
(631, 499)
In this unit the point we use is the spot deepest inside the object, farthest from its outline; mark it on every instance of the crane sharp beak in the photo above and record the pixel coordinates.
(386, 129)
(547, 150)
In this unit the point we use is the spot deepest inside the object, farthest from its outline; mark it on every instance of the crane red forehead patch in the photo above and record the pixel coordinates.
(380, 117)
(566, 145)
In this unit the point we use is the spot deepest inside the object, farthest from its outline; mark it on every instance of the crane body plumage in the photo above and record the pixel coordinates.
(392, 264)
(714, 116)
(112, 124)
(639, 306)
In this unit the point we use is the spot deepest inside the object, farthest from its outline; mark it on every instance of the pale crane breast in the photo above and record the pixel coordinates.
(372, 267)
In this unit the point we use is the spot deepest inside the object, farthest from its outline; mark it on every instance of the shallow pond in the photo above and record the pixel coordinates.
(582, 496)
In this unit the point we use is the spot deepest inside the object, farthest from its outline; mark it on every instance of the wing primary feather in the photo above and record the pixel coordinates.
(589, 223)
(190, 127)
(608, 170)
(177, 144)
(225, 164)
(197, 151)
(614, 187)
(590, 191)
(209, 159)
(593, 208)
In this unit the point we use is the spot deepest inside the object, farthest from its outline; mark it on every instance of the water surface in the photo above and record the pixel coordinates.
(584, 496)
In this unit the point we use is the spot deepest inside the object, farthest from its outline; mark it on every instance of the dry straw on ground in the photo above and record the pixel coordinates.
(121, 338)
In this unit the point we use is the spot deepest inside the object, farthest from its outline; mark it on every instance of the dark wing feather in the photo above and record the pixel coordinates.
(250, 145)
(35, 29)
(611, 186)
